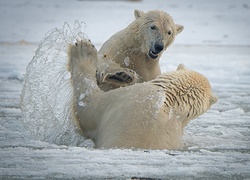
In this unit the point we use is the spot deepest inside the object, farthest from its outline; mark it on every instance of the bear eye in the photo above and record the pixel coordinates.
(153, 27)
(169, 32)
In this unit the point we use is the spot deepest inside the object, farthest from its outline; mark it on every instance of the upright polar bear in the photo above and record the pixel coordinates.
(150, 115)
(138, 47)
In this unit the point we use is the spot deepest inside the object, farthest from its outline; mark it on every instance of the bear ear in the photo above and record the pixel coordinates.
(213, 99)
(138, 13)
(179, 28)
(181, 67)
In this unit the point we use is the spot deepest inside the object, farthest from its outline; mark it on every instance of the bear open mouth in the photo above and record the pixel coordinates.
(152, 54)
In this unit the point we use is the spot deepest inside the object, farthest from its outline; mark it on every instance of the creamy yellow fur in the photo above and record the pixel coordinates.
(130, 48)
(150, 115)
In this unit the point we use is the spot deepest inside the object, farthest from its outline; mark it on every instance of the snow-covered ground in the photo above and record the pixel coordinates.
(215, 42)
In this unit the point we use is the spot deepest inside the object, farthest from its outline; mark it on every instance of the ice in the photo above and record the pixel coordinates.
(215, 42)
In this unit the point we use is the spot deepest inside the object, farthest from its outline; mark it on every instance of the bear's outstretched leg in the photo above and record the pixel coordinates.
(82, 66)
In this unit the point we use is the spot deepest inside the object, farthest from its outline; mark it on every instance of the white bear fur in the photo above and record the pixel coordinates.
(150, 115)
(130, 47)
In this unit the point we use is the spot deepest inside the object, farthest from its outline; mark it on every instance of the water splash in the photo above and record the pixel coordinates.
(47, 91)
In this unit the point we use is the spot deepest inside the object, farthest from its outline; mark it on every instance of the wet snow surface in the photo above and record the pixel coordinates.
(215, 42)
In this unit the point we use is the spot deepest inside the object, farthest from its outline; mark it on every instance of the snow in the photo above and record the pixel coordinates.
(215, 42)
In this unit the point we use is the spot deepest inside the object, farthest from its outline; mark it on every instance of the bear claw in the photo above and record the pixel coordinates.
(122, 77)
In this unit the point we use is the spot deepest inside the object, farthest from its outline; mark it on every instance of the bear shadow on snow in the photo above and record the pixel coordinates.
(150, 115)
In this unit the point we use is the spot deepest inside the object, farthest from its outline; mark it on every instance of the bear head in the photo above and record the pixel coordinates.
(158, 31)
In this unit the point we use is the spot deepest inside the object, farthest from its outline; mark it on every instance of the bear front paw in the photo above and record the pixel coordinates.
(117, 79)
(82, 52)
(121, 77)
(85, 49)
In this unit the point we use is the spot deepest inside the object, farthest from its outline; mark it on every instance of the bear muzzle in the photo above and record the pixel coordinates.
(155, 50)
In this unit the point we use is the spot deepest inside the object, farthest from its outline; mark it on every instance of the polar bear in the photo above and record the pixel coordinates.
(150, 115)
(138, 47)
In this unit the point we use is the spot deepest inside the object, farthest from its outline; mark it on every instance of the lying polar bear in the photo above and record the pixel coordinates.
(150, 115)
(132, 54)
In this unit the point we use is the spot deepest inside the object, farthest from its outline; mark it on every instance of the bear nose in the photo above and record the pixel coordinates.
(158, 48)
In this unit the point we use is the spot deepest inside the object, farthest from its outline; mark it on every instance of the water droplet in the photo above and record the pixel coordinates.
(127, 61)
(82, 104)
(82, 96)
